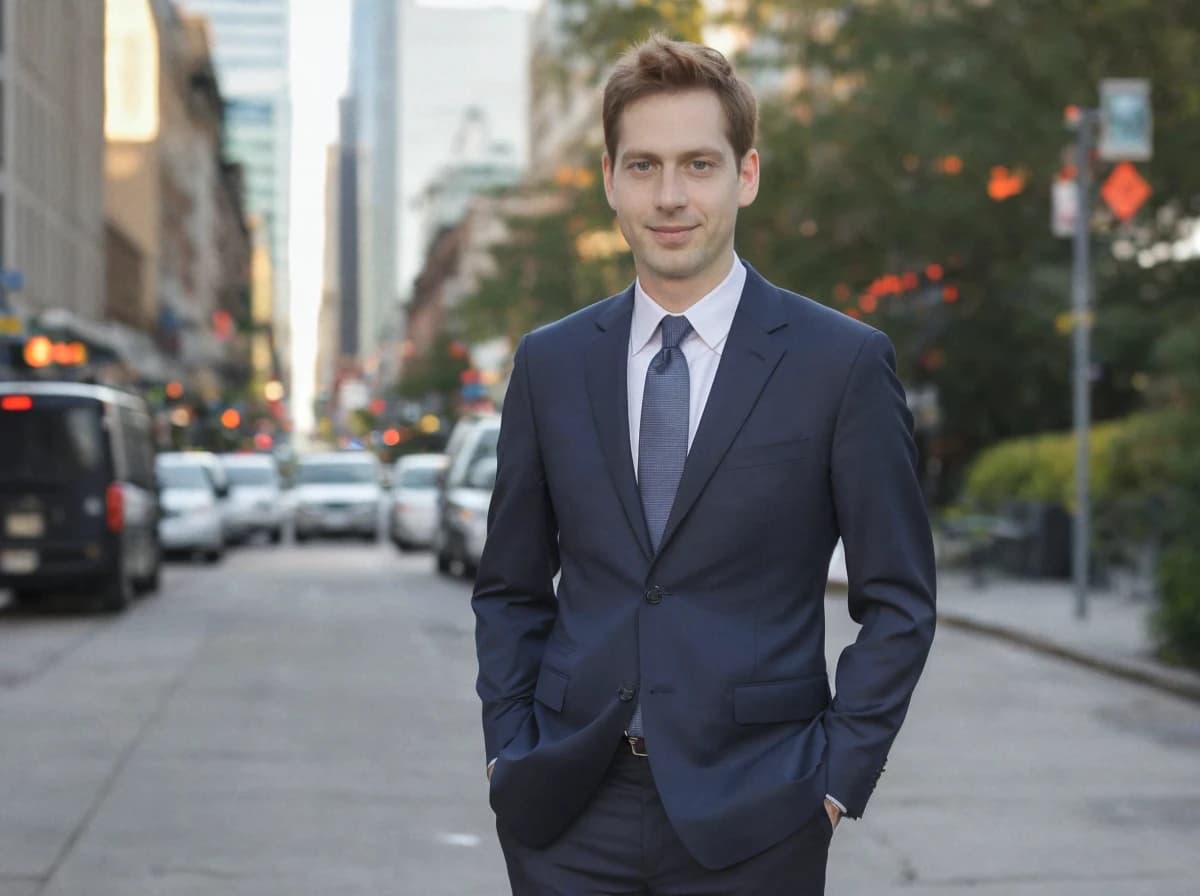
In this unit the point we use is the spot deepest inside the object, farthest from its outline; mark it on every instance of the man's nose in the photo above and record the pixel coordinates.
(672, 191)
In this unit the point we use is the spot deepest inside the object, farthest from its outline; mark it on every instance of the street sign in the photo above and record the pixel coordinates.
(1125, 190)
(10, 325)
(11, 281)
(1064, 195)
(1126, 128)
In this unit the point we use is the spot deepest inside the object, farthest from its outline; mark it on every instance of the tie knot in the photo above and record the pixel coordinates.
(674, 329)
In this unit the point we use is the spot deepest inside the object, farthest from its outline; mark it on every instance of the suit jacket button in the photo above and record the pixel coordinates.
(626, 693)
(654, 595)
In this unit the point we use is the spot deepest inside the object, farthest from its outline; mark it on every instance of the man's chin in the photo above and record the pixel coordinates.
(674, 265)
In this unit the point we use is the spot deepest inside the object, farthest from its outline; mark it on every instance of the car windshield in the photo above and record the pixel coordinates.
(486, 446)
(185, 476)
(50, 443)
(419, 477)
(334, 473)
(250, 475)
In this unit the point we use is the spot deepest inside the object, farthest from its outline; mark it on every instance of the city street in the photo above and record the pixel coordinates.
(302, 720)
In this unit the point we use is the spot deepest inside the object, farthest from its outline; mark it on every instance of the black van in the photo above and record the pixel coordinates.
(78, 498)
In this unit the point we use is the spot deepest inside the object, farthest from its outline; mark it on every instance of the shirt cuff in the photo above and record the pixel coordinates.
(836, 802)
(493, 762)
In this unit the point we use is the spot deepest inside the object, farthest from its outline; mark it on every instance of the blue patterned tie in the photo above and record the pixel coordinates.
(663, 438)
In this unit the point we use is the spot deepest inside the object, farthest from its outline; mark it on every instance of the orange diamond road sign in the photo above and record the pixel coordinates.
(1125, 190)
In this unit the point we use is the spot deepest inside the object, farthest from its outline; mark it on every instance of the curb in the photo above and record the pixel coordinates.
(1177, 682)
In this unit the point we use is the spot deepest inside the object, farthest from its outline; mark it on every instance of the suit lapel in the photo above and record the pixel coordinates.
(750, 356)
(607, 363)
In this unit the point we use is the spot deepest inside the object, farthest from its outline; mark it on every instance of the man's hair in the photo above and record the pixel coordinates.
(661, 65)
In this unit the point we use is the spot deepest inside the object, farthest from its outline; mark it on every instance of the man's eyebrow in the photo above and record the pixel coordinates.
(698, 152)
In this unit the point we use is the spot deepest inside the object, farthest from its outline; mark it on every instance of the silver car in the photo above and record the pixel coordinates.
(256, 496)
(191, 518)
(464, 497)
(413, 517)
(338, 493)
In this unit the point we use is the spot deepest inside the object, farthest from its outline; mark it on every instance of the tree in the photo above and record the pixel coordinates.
(880, 161)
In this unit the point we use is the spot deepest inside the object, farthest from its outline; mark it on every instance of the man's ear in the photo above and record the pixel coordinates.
(606, 167)
(748, 173)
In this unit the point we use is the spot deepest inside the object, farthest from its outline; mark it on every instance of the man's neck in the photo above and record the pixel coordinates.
(677, 296)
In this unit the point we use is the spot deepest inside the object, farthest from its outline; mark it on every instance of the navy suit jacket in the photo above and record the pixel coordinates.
(720, 635)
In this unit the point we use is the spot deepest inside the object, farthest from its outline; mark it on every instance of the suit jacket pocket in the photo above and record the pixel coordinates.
(742, 456)
(788, 700)
(551, 689)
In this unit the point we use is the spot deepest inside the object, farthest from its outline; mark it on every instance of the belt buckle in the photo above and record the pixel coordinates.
(633, 745)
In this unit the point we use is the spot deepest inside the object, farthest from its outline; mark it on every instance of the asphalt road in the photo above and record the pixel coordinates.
(302, 720)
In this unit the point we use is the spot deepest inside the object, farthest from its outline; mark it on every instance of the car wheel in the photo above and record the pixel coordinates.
(276, 536)
(214, 555)
(117, 593)
(301, 537)
(445, 562)
(153, 579)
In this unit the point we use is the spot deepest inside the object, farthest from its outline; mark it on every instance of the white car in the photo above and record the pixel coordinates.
(256, 496)
(413, 518)
(465, 494)
(466, 515)
(231, 525)
(338, 493)
(190, 501)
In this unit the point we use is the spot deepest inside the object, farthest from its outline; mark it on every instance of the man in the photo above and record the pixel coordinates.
(685, 455)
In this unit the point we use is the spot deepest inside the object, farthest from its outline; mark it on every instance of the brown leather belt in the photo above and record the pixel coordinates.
(637, 745)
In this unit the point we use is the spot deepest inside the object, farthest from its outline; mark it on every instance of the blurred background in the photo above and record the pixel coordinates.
(312, 232)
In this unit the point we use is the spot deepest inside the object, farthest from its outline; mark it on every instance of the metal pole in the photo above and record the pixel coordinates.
(1081, 313)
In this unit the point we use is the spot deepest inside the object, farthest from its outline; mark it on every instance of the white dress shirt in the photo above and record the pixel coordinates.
(711, 318)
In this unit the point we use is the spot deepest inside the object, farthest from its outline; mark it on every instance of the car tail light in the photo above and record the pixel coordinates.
(114, 507)
(16, 403)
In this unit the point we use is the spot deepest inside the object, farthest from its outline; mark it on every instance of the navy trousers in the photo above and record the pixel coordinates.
(624, 845)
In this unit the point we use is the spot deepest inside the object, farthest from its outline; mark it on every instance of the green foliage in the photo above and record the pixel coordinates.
(1177, 620)
(856, 186)
(435, 377)
(1042, 467)
(542, 273)
(599, 31)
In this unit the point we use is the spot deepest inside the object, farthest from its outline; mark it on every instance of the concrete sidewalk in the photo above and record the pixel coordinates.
(1114, 638)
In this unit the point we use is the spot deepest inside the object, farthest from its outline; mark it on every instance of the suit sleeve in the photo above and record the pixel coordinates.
(890, 565)
(514, 602)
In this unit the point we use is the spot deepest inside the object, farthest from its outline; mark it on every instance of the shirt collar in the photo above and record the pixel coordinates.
(710, 318)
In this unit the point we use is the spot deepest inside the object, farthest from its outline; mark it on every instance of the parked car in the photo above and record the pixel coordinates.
(466, 515)
(413, 517)
(191, 506)
(256, 495)
(464, 496)
(233, 527)
(338, 493)
(78, 502)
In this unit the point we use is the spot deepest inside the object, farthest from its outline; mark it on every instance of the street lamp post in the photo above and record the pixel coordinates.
(1081, 303)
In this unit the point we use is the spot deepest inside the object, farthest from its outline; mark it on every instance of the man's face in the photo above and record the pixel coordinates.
(676, 187)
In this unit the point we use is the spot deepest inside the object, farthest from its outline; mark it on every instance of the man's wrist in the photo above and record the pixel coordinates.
(835, 810)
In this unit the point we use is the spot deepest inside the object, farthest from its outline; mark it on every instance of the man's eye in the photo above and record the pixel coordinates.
(640, 166)
(701, 164)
